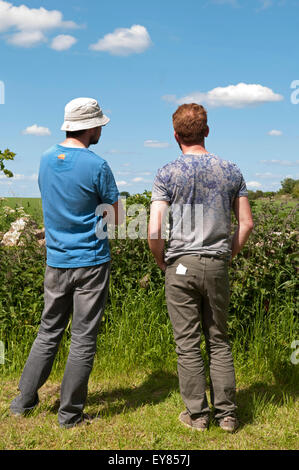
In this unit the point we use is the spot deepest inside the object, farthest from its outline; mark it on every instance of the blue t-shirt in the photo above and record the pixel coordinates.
(73, 182)
(201, 190)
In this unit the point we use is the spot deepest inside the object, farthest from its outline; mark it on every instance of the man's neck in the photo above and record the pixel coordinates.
(74, 143)
(198, 149)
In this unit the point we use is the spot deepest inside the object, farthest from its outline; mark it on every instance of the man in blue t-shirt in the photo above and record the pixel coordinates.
(199, 191)
(78, 194)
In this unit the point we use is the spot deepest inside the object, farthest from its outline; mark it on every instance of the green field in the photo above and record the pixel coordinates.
(32, 206)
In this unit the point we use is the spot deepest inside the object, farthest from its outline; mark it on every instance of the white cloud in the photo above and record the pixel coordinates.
(265, 4)
(122, 183)
(275, 132)
(27, 38)
(138, 179)
(232, 96)
(24, 18)
(253, 184)
(115, 151)
(281, 162)
(20, 177)
(112, 151)
(6, 182)
(124, 41)
(36, 130)
(267, 175)
(156, 144)
(123, 173)
(63, 42)
(29, 24)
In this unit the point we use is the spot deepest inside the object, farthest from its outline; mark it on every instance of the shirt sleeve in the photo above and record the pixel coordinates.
(242, 190)
(159, 191)
(106, 185)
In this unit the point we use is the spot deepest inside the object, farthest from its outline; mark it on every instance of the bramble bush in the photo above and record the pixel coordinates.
(266, 270)
(21, 284)
(267, 265)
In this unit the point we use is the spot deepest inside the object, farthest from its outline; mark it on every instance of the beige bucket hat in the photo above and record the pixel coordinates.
(83, 113)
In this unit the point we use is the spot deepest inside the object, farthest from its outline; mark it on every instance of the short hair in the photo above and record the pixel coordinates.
(190, 122)
(74, 134)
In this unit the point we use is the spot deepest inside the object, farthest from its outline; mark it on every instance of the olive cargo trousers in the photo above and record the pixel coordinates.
(197, 295)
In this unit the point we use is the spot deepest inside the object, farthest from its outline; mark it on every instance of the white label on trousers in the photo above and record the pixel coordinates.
(181, 269)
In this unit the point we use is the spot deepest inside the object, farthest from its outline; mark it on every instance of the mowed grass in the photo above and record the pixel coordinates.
(140, 411)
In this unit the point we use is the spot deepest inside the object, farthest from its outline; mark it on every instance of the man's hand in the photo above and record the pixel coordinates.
(163, 266)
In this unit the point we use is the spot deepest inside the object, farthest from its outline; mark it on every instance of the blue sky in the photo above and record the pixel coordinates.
(141, 60)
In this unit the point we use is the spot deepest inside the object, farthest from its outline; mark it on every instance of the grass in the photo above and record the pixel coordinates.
(134, 387)
(140, 411)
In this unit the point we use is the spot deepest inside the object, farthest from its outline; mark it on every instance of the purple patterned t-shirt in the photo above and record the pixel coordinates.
(201, 190)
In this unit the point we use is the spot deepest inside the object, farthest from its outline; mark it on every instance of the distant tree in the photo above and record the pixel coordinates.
(4, 156)
(253, 195)
(125, 194)
(287, 185)
(259, 193)
(295, 191)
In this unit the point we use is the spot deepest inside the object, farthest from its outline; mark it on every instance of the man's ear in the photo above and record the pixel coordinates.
(207, 131)
(178, 140)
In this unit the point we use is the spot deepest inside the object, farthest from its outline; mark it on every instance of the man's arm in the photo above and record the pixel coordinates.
(113, 214)
(119, 212)
(243, 215)
(155, 240)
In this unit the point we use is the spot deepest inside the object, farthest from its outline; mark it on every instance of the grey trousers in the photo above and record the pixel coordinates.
(83, 292)
(198, 301)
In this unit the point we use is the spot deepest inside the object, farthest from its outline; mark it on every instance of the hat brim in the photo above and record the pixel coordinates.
(73, 126)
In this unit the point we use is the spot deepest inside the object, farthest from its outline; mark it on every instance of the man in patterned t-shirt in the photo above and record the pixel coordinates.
(198, 191)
